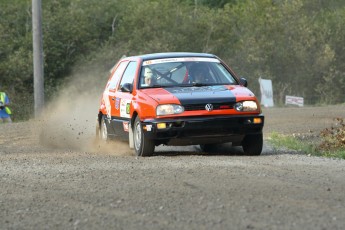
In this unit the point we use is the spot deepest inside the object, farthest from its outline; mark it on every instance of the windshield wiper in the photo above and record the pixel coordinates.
(159, 86)
(199, 84)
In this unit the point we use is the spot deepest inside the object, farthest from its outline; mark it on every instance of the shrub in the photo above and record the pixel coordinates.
(333, 138)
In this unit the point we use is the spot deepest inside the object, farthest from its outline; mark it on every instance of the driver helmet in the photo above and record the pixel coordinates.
(198, 72)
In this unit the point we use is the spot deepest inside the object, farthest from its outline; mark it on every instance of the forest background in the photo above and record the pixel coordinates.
(298, 44)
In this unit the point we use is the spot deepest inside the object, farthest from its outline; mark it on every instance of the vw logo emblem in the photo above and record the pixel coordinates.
(209, 107)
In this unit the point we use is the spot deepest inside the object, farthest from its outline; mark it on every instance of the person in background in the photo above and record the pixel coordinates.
(5, 112)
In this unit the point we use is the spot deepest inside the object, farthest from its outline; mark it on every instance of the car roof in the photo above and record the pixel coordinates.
(145, 57)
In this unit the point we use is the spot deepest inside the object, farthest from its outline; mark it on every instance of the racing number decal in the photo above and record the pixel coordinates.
(125, 106)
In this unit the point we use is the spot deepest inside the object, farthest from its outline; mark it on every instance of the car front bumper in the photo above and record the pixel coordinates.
(202, 130)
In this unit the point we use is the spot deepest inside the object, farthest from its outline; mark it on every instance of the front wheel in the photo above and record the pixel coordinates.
(252, 144)
(142, 145)
(209, 148)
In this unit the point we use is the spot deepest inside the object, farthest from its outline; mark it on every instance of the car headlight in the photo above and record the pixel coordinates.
(245, 106)
(169, 109)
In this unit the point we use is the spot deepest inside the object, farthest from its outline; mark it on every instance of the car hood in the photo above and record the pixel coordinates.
(199, 95)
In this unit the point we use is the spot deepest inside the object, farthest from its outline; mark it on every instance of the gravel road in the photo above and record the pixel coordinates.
(61, 179)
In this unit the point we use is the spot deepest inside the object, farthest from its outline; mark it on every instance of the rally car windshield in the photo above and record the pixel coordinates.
(184, 72)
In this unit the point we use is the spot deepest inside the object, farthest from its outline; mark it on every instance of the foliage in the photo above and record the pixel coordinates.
(334, 137)
(296, 43)
(209, 3)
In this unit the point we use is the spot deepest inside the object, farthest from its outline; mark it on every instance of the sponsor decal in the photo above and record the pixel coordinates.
(128, 106)
(211, 88)
(125, 126)
(203, 95)
(182, 59)
(117, 103)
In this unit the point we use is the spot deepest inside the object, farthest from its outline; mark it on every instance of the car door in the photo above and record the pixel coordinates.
(110, 92)
(122, 101)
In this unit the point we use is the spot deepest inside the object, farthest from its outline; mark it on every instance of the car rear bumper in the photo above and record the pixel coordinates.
(202, 130)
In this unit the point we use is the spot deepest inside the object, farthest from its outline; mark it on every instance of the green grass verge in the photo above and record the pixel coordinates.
(306, 147)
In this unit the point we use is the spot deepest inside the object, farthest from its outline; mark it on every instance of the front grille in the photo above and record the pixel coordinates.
(216, 106)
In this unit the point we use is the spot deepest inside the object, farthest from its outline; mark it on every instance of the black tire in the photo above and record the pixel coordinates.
(209, 148)
(142, 145)
(103, 131)
(252, 144)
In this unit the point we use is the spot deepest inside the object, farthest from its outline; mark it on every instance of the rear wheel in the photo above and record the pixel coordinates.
(142, 145)
(252, 144)
(103, 132)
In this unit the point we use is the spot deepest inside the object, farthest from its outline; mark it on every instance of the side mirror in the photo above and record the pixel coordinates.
(243, 82)
(127, 87)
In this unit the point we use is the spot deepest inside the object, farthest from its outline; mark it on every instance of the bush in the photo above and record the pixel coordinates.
(334, 137)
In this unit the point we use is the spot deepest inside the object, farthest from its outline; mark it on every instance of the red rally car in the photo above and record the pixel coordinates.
(179, 99)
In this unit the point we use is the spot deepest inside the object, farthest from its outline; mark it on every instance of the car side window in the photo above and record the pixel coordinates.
(117, 75)
(129, 74)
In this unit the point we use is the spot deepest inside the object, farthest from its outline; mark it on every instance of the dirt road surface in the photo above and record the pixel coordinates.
(61, 179)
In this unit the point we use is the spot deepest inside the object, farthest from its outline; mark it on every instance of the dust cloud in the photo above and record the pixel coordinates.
(69, 120)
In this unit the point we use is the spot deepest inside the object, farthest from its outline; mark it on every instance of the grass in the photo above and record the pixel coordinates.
(292, 143)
